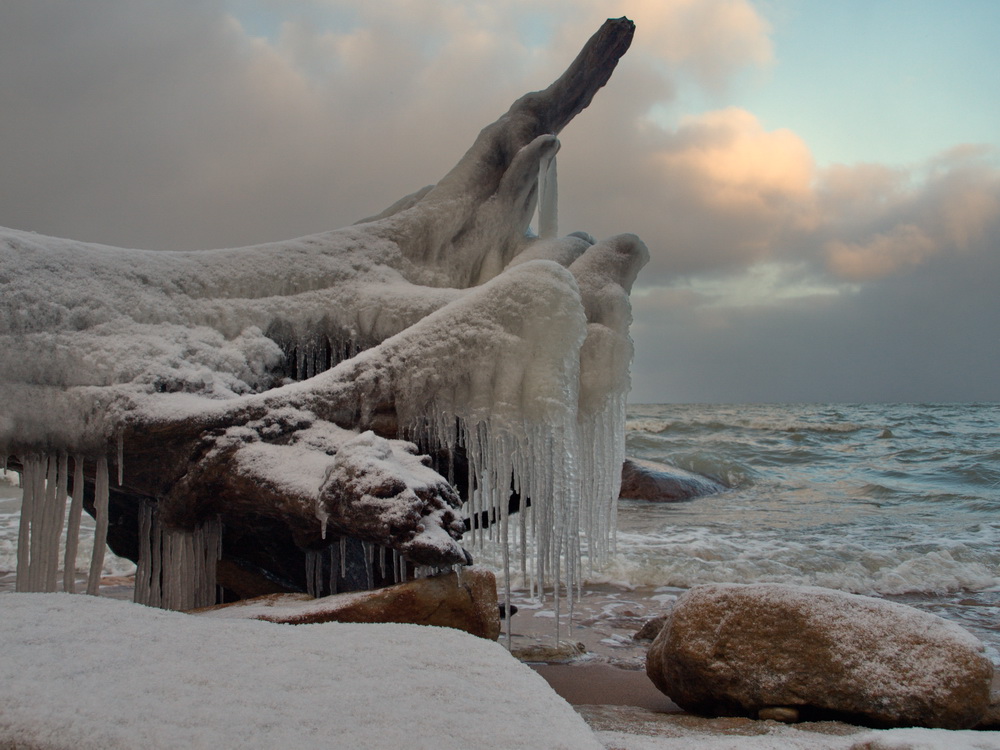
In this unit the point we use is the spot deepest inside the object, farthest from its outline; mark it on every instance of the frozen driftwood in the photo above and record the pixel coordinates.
(283, 388)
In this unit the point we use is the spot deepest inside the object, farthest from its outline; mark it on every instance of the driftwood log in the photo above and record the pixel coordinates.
(262, 462)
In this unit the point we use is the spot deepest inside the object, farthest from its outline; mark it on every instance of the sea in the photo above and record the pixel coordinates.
(899, 501)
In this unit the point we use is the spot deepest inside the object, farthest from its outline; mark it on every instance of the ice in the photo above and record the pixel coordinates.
(548, 197)
(176, 568)
(441, 317)
(101, 531)
(73, 527)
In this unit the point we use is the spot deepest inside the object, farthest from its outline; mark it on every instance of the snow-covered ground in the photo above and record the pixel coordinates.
(84, 672)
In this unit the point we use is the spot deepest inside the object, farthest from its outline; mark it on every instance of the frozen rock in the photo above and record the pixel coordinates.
(468, 603)
(733, 649)
(659, 483)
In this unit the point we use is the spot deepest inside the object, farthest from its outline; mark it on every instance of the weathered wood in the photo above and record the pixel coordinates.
(467, 227)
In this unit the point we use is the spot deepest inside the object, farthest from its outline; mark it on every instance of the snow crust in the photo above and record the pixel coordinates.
(94, 673)
(782, 737)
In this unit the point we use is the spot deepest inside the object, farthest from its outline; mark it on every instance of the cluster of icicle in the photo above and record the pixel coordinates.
(45, 483)
(563, 461)
(176, 569)
(324, 567)
(568, 474)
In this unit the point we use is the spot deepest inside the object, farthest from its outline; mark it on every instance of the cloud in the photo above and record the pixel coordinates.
(881, 256)
(204, 123)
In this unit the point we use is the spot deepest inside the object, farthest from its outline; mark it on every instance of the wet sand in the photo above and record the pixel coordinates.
(605, 685)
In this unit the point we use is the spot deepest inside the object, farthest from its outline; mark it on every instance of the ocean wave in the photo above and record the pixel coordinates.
(654, 426)
(697, 556)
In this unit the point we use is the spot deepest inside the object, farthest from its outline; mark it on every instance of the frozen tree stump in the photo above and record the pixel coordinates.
(283, 389)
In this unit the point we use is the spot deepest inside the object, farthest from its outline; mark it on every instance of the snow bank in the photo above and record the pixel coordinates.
(83, 672)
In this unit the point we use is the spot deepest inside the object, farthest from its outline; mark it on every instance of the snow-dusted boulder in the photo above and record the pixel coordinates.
(738, 649)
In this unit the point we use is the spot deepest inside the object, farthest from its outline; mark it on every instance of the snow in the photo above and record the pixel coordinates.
(780, 737)
(83, 672)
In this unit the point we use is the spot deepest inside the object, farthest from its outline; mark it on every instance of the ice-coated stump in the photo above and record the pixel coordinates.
(280, 396)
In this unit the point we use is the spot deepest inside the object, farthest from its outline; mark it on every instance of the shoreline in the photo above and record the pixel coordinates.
(610, 691)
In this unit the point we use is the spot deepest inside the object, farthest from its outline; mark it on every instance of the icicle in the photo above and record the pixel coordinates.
(318, 574)
(121, 457)
(504, 525)
(73, 527)
(368, 551)
(333, 548)
(47, 533)
(59, 494)
(39, 510)
(381, 561)
(101, 530)
(343, 557)
(28, 480)
(156, 567)
(395, 566)
(548, 198)
(144, 563)
(312, 582)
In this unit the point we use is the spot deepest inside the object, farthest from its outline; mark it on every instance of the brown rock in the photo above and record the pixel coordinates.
(551, 653)
(991, 717)
(784, 714)
(469, 604)
(647, 480)
(651, 628)
(736, 649)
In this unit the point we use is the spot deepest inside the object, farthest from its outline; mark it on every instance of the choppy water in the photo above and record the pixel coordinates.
(898, 500)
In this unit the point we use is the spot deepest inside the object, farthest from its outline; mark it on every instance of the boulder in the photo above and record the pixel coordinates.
(731, 649)
(659, 483)
(466, 603)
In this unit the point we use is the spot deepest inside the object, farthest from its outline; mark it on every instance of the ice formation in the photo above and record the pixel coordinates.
(300, 380)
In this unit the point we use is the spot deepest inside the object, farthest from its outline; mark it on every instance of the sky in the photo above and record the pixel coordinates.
(818, 183)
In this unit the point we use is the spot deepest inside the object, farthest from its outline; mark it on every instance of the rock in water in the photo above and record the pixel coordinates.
(469, 604)
(646, 480)
(732, 649)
